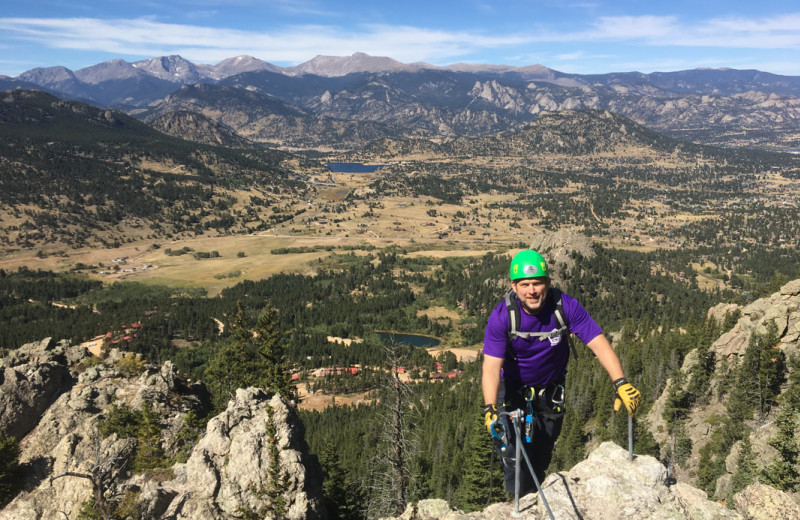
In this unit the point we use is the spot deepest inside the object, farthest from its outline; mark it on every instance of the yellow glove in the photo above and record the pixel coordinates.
(627, 395)
(489, 416)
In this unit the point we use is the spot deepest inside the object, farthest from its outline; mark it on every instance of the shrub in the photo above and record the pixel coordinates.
(9, 469)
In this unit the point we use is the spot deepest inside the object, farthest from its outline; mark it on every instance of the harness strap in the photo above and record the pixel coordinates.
(514, 317)
(514, 320)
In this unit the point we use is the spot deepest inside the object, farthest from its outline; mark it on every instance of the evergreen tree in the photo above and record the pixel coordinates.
(149, 453)
(570, 446)
(256, 357)
(342, 497)
(783, 473)
(762, 370)
(9, 481)
(276, 486)
(276, 377)
(481, 477)
(746, 469)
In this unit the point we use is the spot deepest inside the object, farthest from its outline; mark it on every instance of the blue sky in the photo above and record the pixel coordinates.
(580, 36)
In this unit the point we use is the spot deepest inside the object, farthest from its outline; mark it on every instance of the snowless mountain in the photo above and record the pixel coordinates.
(711, 106)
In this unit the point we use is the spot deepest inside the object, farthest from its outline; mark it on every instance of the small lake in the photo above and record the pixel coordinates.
(349, 167)
(408, 339)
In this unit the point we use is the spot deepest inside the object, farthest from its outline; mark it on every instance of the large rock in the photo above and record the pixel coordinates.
(31, 378)
(760, 502)
(606, 486)
(56, 405)
(557, 247)
(783, 308)
(228, 471)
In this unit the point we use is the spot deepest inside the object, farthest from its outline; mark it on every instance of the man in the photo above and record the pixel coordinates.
(524, 366)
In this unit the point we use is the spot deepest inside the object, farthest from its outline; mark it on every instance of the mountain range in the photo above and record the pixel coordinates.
(710, 106)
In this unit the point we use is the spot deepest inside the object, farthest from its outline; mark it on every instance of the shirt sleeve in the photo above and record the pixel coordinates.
(580, 322)
(495, 339)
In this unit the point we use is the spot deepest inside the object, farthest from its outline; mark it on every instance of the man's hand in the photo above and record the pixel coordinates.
(489, 416)
(627, 395)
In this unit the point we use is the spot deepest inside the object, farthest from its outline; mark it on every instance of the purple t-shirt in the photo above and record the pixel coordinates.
(538, 361)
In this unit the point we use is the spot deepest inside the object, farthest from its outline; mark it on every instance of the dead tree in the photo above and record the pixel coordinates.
(392, 467)
(103, 474)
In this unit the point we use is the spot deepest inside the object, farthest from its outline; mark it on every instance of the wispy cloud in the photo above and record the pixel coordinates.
(289, 44)
(779, 32)
(293, 44)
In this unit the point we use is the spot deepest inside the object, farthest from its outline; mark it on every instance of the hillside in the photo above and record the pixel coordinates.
(711, 106)
(192, 126)
(111, 180)
(74, 175)
(266, 119)
(762, 346)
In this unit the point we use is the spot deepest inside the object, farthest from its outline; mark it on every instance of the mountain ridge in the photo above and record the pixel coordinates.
(713, 106)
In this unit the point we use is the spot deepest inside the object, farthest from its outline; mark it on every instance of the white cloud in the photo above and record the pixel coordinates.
(294, 44)
(145, 36)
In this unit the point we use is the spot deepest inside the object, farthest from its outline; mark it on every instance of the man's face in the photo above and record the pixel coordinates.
(531, 293)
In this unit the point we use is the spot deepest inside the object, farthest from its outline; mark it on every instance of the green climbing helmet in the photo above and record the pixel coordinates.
(528, 264)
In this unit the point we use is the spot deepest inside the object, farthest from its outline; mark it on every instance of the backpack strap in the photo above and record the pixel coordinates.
(514, 317)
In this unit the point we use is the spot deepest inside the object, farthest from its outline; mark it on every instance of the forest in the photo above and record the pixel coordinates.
(654, 316)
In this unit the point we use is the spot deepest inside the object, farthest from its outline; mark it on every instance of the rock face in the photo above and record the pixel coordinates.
(557, 248)
(227, 472)
(782, 307)
(226, 468)
(608, 486)
(31, 377)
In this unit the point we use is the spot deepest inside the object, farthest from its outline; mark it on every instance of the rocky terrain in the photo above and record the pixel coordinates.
(64, 407)
(608, 486)
(782, 308)
(226, 471)
(55, 398)
(731, 107)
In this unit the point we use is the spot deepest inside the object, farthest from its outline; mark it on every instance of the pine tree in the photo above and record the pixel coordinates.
(481, 478)
(9, 454)
(783, 473)
(570, 446)
(149, 453)
(268, 338)
(746, 469)
(256, 357)
(341, 496)
(277, 485)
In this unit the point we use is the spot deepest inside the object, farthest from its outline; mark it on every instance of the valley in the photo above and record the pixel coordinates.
(214, 236)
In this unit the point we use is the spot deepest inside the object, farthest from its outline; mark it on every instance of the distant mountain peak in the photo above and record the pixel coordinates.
(238, 65)
(171, 68)
(358, 62)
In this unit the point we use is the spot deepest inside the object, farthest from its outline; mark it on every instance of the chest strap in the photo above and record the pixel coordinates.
(514, 317)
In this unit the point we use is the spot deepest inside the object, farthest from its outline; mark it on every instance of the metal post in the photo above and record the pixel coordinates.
(516, 417)
(630, 437)
(517, 460)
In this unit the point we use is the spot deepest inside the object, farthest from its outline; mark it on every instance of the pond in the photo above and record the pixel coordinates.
(344, 167)
(408, 339)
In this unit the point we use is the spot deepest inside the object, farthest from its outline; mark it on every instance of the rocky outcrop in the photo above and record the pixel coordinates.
(760, 502)
(66, 459)
(31, 378)
(782, 307)
(557, 247)
(608, 486)
(227, 472)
